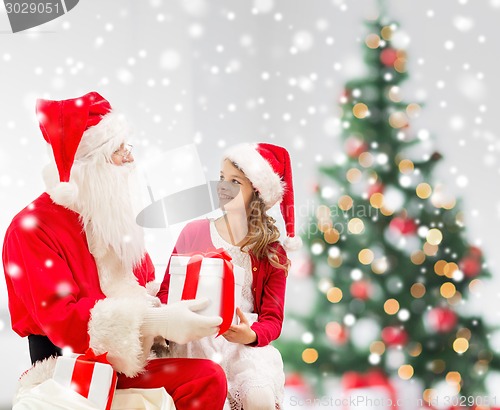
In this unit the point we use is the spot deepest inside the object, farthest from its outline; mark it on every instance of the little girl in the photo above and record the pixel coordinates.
(252, 179)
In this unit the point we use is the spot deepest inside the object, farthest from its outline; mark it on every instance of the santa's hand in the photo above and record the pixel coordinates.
(179, 321)
(242, 332)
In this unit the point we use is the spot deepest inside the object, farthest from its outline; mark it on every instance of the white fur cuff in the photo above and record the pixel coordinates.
(115, 328)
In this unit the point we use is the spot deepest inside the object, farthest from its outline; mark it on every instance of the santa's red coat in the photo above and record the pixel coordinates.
(52, 278)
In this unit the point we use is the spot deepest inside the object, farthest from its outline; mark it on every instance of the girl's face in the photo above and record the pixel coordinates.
(235, 191)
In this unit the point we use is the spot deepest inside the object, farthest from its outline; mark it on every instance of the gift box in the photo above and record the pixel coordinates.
(89, 375)
(368, 391)
(210, 275)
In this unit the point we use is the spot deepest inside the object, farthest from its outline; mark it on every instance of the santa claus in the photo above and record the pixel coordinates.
(77, 271)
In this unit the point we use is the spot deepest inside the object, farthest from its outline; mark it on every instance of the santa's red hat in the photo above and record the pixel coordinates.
(66, 124)
(269, 169)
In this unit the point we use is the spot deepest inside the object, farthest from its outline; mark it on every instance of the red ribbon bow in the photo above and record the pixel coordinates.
(90, 356)
(227, 295)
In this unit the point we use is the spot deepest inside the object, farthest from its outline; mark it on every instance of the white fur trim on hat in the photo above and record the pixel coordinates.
(292, 243)
(115, 328)
(64, 193)
(258, 171)
(106, 136)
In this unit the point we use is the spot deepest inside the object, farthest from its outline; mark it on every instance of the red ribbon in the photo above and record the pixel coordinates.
(227, 295)
(83, 371)
(373, 378)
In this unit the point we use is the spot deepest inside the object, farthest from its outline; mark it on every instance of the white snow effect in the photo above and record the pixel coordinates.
(463, 24)
(317, 248)
(328, 192)
(194, 7)
(462, 181)
(124, 76)
(28, 222)
(170, 59)
(196, 30)
(306, 84)
(246, 40)
(400, 39)
(449, 45)
(334, 252)
(403, 315)
(349, 319)
(393, 199)
(13, 270)
(263, 6)
(471, 86)
(356, 274)
(331, 126)
(233, 66)
(63, 289)
(322, 24)
(99, 41)
(423, 134)
(307, 338)
(303, 40)
(382, 158)
(374, 359)
(457, 123)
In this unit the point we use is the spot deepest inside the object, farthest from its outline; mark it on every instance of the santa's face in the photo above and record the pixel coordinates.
(107, 190)
(123, 155)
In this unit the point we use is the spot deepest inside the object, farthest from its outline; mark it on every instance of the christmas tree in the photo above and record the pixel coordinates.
(390, 256)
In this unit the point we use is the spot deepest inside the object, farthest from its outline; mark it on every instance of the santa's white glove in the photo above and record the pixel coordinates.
(179, 321)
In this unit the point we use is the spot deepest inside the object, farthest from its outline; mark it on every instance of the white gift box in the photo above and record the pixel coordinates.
(93, 380)
(209, 285)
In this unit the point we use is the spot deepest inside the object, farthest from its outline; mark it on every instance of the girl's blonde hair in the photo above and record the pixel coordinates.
(262, 232)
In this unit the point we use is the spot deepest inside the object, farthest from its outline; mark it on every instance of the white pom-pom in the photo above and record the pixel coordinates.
(64, 193)
(292, 243)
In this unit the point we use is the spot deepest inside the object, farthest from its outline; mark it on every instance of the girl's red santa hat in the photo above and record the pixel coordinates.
(269, 169)
(77, 129)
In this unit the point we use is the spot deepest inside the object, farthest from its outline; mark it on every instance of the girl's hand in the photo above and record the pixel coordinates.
(242, 332)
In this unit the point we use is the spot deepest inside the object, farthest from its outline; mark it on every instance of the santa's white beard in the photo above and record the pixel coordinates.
(105, 193)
